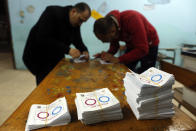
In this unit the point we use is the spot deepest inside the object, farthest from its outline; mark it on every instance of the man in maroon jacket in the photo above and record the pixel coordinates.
(136, 31)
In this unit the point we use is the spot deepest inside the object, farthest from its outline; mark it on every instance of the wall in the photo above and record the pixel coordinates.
(175, 21)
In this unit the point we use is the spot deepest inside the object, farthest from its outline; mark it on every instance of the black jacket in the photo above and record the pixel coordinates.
(50, 38)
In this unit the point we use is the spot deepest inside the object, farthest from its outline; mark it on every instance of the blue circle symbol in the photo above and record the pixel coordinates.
(104, 99)
(156, 77)
(56, 110)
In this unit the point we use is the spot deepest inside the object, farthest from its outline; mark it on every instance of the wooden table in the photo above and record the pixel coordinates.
(68, 78)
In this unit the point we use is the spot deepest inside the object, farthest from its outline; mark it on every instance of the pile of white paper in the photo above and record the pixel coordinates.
(150, 94)
(99, 105)
(54, 114)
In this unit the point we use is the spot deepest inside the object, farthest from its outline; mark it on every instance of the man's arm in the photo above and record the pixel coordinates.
(78, 43)
(109, 55)
(114, 46)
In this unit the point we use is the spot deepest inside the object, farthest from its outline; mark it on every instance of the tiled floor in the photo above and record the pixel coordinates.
(16, 85)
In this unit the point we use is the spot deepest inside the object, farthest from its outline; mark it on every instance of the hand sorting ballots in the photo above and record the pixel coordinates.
(98, 55)
(107, 57)
(74, 53)
(78, 57)
(85, 55)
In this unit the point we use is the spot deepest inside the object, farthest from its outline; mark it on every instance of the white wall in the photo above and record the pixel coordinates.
(175, 22)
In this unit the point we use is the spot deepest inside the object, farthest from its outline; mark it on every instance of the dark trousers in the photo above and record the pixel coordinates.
(43, 72)
(41, 75)
(146, 62)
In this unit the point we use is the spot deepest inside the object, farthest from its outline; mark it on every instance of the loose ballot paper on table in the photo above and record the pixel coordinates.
(81, 59)
(104, 62)
(97, 106)
(150, 94)
(54, 114)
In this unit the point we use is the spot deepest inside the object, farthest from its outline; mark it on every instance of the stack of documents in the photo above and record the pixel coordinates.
(150, 94)
(99, 105)
(54, 114)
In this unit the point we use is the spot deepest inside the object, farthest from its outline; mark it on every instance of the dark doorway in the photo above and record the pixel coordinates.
(5, 33)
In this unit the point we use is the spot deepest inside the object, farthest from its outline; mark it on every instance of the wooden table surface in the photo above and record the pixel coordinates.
(68, 78)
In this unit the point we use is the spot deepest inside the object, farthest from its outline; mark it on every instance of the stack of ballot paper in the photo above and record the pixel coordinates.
(54, 114)
(150, 94)
(99, 105)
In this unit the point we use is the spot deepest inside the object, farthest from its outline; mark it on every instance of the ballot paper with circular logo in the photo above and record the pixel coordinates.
(150, 94)
(53, 114)
(99, 105)
(152, 77)
(150, 81)
(158, 77)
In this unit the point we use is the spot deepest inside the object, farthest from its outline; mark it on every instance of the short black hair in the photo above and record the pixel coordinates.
(103, 25)
(81, 7)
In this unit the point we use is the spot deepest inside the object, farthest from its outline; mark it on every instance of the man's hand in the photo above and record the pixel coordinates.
(109, 58)
(74, 53)
(86, 57)
(98, 55)
(114, 60)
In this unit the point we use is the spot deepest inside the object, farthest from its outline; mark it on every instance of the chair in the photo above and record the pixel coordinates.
(184, 76)
(162, 56)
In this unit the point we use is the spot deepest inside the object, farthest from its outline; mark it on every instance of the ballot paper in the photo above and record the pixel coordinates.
(104, 62)
(150, 94)
(81, 59)
(155, 113)
(53, 114)
(151, 78)
(150, 81)
(97, 106)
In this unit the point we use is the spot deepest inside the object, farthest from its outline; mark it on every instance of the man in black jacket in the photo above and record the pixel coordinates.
(50, 38)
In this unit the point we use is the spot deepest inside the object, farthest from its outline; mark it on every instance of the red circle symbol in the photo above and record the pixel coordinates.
(90, 102)
(42, 115)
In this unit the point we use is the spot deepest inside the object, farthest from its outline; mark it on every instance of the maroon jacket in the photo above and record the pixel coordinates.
(138, 34)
